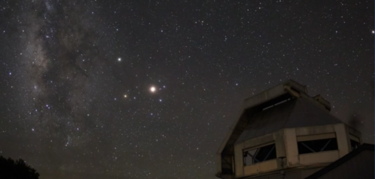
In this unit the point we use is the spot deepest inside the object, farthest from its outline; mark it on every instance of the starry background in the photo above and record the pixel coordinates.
(76, 78)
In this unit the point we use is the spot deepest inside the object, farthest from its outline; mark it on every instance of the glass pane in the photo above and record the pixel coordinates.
(248, 156)
(265, 153)
(313, 146)
(259, 155)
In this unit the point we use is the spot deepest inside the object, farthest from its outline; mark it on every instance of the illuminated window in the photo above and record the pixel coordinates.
(313, 146)
(256, 155)
(354, 144)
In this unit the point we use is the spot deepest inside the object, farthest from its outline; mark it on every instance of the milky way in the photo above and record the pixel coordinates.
(58, 57)
(58, 62)
(148, 89)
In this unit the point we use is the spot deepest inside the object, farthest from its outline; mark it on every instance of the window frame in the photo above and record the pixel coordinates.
(317, 137)
(257, 149)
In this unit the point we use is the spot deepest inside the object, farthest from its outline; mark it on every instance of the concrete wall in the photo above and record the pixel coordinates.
(318, 158)
(263, 167)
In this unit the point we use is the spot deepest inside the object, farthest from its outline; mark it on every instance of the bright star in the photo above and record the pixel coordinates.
(152, 89)
(125, 96)
(119, 59)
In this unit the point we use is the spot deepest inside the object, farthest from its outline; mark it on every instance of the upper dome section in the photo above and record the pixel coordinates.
(289, 113)
(285, 105)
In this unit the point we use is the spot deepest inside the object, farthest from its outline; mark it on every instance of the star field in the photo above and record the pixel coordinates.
(149, 89)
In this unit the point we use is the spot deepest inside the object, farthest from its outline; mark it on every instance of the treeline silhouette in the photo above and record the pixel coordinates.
(16, 169)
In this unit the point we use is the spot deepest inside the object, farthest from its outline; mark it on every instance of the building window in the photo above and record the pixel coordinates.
(313, 146)
(354, 144)
(257, 155)
(354, 141)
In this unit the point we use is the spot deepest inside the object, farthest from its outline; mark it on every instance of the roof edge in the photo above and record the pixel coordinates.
(290, 86)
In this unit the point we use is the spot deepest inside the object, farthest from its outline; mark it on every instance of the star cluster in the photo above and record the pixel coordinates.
(149, 89)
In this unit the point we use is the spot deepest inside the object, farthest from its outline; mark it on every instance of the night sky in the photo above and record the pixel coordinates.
(149, 89)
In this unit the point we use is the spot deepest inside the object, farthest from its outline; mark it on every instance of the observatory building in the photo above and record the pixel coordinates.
(284, 133)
